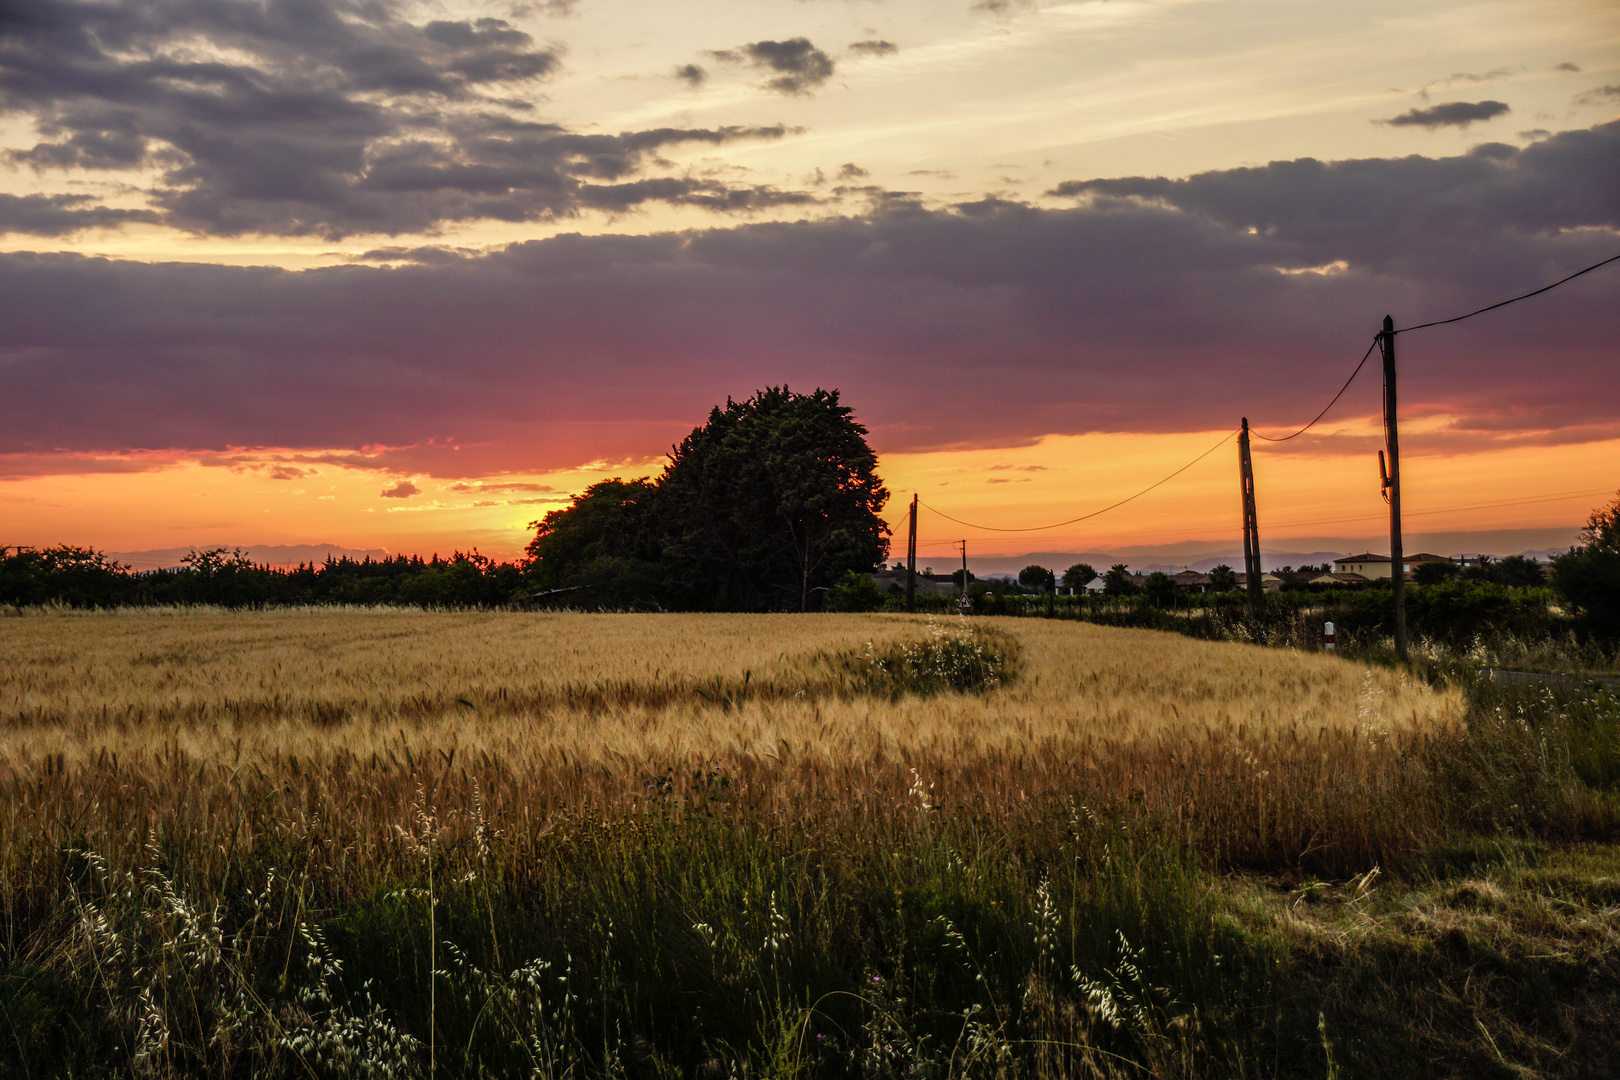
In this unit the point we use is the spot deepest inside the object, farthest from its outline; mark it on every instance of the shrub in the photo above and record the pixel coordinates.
(1588, 576)
(952, 657)
(855, 591)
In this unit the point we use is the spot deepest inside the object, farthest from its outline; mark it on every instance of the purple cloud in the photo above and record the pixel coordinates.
(1149, 304)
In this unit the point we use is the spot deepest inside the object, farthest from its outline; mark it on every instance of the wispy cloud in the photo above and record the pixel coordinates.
(1451, 114)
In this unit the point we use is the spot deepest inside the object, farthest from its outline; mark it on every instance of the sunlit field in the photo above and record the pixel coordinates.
(633, 690)
(538, 713)
(297, 842)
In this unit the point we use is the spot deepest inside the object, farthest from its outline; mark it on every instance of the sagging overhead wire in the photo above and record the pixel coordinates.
(1422, 326)
(1284, 438)
(1329, 405)
(1084, 517)
(1514, 300)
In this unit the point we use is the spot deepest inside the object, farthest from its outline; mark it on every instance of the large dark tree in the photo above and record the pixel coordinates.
(1588, 575)
(768, 504)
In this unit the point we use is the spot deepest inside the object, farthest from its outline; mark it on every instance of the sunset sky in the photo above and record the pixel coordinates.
(404, 276)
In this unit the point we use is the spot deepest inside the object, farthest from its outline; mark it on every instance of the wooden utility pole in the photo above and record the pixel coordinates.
(1251, 524)
(962, 602)
(1392, 443)
(911, 560)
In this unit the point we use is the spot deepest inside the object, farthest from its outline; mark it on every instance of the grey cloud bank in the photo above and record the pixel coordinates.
(329, 118)
(1151, 304)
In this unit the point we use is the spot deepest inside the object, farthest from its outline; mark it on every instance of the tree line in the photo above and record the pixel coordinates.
(765, 507)
(85, 578)
(771, 505)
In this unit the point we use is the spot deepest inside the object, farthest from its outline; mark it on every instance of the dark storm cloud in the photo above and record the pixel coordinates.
(873, 48)
(1451, 114)
(323, 117)
(1151, 304)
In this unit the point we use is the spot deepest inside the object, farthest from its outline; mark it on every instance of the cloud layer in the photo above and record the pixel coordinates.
(1150, 304)
(316, 117)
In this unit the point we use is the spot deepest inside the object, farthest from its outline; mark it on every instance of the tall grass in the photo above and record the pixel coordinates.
(852, 846)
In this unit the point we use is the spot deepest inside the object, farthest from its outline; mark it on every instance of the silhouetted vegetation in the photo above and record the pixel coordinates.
(83, 578)
(763, 508)
(1588, 575)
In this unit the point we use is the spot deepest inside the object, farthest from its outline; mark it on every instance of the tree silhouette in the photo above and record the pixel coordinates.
(769, 503)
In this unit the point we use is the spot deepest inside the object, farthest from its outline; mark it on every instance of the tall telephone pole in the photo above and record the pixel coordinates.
(911, 560)
(1251, 524)
(1397, 557)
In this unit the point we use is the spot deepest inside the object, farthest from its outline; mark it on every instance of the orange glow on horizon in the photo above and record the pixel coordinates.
(1300, 494)
(183, 503)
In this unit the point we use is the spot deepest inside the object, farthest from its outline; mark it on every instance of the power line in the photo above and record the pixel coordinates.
(1515, 300)
(1284, 438)
(1330, 404)
(1094, 513)
(1421, 326)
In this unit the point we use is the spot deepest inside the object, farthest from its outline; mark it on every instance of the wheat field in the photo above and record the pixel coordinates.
(640, 689)
(353, 718)
(824, 845)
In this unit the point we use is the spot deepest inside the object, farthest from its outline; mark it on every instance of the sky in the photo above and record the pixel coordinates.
(403, 277)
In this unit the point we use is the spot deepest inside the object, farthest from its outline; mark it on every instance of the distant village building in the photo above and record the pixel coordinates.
(1366, 565)
(1370, 566)
(1192, 581)
(1267, 581)
(894, 581)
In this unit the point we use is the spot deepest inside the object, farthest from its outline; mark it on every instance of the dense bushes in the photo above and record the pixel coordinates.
(1456, 613)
